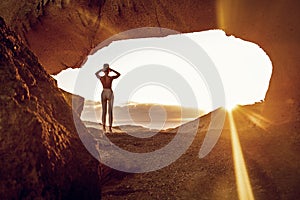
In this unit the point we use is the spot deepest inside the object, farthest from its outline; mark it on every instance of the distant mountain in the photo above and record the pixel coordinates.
(96, 125)
(153, 116)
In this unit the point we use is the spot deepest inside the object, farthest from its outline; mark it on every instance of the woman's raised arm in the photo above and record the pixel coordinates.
(117, 73)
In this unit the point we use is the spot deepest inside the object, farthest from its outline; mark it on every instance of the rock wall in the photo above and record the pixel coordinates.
(74, 101)
(42, 156)
(62, 33)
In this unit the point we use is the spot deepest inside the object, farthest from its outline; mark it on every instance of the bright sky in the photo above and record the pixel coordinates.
(164, 76)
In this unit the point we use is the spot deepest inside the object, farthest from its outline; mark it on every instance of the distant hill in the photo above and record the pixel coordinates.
(152, 116)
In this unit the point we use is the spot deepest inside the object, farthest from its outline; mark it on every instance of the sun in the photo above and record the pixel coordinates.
(230, 107)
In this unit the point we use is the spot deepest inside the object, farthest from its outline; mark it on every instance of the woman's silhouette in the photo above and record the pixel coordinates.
(107, 95)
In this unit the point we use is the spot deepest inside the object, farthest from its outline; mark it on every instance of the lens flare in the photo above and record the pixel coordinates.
(244, 188)
(230, 107)
(257, 119)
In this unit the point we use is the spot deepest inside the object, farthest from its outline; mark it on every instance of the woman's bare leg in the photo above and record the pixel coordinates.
(110, 111)
(104, 109)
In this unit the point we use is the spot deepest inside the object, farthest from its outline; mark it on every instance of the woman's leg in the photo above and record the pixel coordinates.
(104, 109)
(110, 111)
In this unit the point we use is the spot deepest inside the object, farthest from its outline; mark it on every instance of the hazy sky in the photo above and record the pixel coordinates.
(162, 75)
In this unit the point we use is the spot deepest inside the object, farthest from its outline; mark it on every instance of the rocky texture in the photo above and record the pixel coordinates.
(74, 101)
(62, 32)
(42, 156)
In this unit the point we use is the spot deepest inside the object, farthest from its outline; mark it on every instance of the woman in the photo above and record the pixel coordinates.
(107, 95)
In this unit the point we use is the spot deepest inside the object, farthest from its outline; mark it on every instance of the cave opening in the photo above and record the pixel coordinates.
(243, 67)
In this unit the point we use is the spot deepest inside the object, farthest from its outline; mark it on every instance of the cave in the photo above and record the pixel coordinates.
(44, 37)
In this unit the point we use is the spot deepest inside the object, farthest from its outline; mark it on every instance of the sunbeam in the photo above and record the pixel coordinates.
(256, 118)
(244, 188)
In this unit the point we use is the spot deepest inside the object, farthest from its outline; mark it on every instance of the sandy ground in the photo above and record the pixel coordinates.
(271, 153)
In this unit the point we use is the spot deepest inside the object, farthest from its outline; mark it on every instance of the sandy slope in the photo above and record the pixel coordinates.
(270, 152)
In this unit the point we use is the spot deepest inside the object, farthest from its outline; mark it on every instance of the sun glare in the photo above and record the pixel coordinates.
(244, 188)
(230, 107)
(256, 118)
